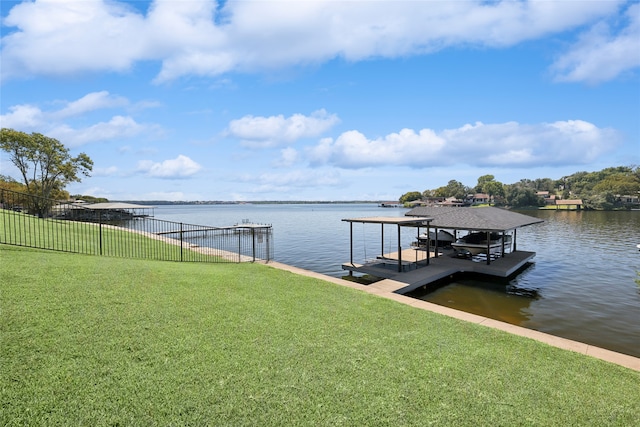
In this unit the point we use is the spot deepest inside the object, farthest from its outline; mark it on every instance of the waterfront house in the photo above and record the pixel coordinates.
(480, 199)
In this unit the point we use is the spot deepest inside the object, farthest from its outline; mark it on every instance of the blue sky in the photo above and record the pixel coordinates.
(322, 100)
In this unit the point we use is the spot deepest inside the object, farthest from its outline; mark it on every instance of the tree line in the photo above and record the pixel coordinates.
(608, 189)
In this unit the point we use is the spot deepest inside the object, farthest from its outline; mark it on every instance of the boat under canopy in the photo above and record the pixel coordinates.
(487, 220)
(476, 243)
(420, 265)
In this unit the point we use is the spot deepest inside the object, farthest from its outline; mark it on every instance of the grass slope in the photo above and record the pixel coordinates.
(20, 229)
(105, 341)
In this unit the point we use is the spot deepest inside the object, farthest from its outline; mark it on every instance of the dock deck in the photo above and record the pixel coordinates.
(415, 273)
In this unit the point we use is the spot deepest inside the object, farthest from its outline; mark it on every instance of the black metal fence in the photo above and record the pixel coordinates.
(32, 221)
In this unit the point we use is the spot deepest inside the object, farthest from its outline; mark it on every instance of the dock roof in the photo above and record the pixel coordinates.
(480, 219)
(116, 205)
(399, 220)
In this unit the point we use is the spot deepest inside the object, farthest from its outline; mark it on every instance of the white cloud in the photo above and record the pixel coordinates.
(117, 127)
(194, 38)
(96, 192)
(180, 167)
(294, 179)
(278, 130)
(22, 117)
(54, 122)
(497, 145)
(60, 37)
(165, 195)
(108, 171)
(288, 157)
(602, 54)
(352, 149)
(90, 102)
(150, 196)
(30, 117)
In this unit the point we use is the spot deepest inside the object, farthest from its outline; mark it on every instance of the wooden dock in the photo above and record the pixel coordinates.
(242, 226)
(416, 273)
(186, 230)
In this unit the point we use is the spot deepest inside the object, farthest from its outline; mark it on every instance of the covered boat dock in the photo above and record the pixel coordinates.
(107, 211)
(384, 260)
(485, 220)
(411, 268)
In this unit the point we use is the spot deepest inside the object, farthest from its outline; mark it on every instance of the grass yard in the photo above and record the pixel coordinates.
(88, 238)
(100, 341)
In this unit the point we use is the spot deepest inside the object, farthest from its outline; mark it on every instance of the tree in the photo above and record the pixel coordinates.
(452, 189)
(90, 199)
(482, 181)
(493, 188)
(8, 183)
(487, 184)
(619, 183)
(410, 196)
(520, 195)
(44, 163)
(544, 184)
(456, 189)
(428, 193)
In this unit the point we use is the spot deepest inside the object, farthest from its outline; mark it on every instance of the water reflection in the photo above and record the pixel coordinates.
(583, 275)
(507, 303)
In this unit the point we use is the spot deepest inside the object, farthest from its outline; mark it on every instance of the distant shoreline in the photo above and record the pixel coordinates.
(337, 202)
(253, 202)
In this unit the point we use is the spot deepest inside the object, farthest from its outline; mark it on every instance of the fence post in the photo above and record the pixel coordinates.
(268, 244)
(100, 229)
(253, 241)
(181, 243)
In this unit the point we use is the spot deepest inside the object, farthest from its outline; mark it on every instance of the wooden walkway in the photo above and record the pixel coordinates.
(229, 227)
(187, 230)
(416, 274)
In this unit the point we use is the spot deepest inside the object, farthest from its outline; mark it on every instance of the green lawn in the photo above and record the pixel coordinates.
(97, 341)
(21, 229)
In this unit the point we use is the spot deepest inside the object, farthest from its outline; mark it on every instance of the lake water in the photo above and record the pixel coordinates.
(581, 285)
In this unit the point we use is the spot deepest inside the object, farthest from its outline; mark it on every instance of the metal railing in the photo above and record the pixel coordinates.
(36, 222)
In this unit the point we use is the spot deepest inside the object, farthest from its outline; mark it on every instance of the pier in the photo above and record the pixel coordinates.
(417, 274)
(186, 230)
(192, 229)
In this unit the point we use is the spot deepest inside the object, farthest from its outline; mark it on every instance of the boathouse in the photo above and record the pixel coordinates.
(481, 219)
(419, 265)
(107, 211)
(570, 204)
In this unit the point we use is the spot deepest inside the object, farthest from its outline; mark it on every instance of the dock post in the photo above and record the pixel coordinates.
(429, 245)
(399, 252)
(382, 239)
(488, 247)
(351, 242)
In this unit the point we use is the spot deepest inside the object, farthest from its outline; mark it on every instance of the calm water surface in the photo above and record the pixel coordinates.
(580, 287)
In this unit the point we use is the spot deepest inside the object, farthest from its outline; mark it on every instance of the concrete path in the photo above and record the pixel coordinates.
(386, 288)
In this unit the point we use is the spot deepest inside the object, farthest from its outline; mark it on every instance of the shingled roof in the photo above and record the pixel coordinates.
(479, 219)
(116, 205)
